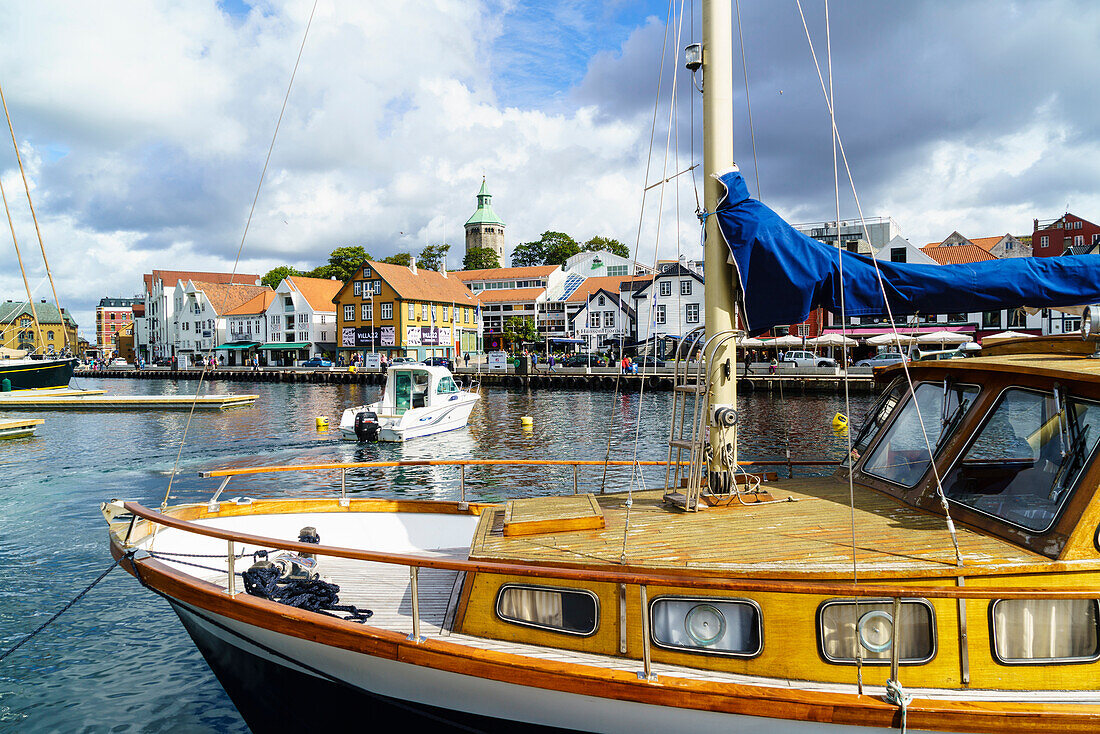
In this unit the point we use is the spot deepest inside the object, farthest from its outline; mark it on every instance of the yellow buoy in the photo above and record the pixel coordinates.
(840, 422)
(322, 423)
(527, 421)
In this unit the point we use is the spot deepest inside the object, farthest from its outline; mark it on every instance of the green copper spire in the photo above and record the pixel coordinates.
(484, 213)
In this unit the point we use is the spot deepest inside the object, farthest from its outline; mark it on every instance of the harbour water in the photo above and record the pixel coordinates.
(119, 661)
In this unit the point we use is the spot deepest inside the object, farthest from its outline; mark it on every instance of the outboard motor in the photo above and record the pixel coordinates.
(366, 426)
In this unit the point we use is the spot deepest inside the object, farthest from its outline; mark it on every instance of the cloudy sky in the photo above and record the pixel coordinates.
(144, 125)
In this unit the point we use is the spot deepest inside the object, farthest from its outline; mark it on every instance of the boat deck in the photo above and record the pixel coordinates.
(811, 534)
(96, 400)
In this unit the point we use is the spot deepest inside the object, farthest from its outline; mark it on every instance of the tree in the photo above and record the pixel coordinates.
(608, 245)
(401, 258)
(481, 258)
(433, 257)
(275, 276)
(552, 248)
(343, 262)
(518, 329)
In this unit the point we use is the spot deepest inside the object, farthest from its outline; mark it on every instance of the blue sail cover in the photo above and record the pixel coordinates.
(784, 275)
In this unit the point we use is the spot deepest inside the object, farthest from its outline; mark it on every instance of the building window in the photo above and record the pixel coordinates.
(1044, 241)
(991, 319)
(618, 270)
(349, 312)
(387, 311)
(433, 312)
(666, 287)
(601, 300)
(412, 311)
(357, 287)
(368, 311)
(685, 287)
(1017, 319)
(1077, 225)
(423, 312)
(1079, 239)
(608, 320)
(594, 320)
(49, 335)
(693, 313)
(466, 314)
(956, 318)
(897, 254)
(660, 314)
(377, 287)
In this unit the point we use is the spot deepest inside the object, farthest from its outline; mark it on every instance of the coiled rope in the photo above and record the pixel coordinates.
(65, 608)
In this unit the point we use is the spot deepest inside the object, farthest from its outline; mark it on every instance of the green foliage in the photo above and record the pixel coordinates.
(480, 258)
(276, 275)
(433, 257)
(343, 262)
(401, 258)
(608, 245)
(518, 329)
(552, 248)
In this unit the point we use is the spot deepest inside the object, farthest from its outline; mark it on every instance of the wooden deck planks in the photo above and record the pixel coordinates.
(811, 534)
(539, 515)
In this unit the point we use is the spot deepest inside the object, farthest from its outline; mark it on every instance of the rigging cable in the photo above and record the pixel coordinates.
(236, 262)
(889, 310)
(34, 217)
(748, 104)
(26, 284)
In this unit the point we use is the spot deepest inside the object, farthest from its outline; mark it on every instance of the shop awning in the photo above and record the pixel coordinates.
(285, 345)
(237, 345)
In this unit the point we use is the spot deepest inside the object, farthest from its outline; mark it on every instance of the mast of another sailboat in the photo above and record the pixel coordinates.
(719, 296)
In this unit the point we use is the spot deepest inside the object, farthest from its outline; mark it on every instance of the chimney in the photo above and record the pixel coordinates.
(412, 264)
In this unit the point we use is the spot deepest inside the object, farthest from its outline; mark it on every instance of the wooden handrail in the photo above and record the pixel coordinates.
(626, 576)
(485, 462)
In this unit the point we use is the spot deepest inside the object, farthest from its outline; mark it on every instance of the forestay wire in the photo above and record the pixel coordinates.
(240, 248)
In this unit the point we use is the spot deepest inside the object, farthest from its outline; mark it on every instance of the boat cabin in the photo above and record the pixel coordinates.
(417, 385)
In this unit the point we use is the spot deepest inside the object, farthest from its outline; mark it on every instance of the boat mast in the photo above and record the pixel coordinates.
(718, 292)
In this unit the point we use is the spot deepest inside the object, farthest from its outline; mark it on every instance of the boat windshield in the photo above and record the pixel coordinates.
(876, 418)
(901, 455)
(1027, 459)
(445, 386)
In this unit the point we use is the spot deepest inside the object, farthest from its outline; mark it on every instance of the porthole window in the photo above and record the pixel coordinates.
(1039, 631)
(572, 611)
(707, 625)
(846, 627)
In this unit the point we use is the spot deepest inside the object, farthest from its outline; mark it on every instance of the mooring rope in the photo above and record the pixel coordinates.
(65, 608)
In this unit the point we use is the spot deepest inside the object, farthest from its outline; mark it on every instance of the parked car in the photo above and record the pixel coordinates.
(441, 362)
(807, 359)
(882, 359)
(120, 362)
(583, 359)
(163, 362)
(402, 360)
(317, 362)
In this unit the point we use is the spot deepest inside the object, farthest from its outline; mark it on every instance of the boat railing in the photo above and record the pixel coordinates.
(463, 464)
(625, 576)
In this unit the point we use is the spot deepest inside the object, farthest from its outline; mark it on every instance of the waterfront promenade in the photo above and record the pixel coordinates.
(578, 378)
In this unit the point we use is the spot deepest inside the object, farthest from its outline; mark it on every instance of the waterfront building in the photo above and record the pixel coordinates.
(199, 322)
(404, 311)
(605, 317)
(17, 329)
(111, 315)
(301, 320)
(484, 228)
(1004, 246)
(1068, 234)
(876, 232)
(123, 345)
(671, 304)
(247, 331)
(160, 313)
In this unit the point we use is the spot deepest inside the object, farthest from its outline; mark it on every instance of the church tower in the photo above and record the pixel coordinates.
(484, 228)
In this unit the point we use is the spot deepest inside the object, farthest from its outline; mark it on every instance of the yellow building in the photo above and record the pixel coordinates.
(54, 332)
(405, 312)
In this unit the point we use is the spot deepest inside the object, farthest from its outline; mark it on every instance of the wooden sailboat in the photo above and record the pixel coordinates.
(821, 605)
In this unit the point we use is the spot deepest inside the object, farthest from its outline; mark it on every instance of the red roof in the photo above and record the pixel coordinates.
(610, 283)
(169, 278)
(534, 271)
(957, 254)
(510, 295)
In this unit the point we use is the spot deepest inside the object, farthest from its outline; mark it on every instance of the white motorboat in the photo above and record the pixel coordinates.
(417, 400)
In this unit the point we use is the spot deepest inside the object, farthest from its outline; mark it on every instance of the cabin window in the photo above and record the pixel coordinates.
(446, 385)
(846, 627)
(876, 417)
(1036, 631)
(420, 389)
(572, 611)
(719, 626)
(902, 455)
(1025, 462)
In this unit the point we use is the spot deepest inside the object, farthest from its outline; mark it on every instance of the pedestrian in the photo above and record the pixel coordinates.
(466, 358)
(551, 362)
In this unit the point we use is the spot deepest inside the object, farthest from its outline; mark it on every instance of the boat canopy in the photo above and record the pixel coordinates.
(784, 275)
